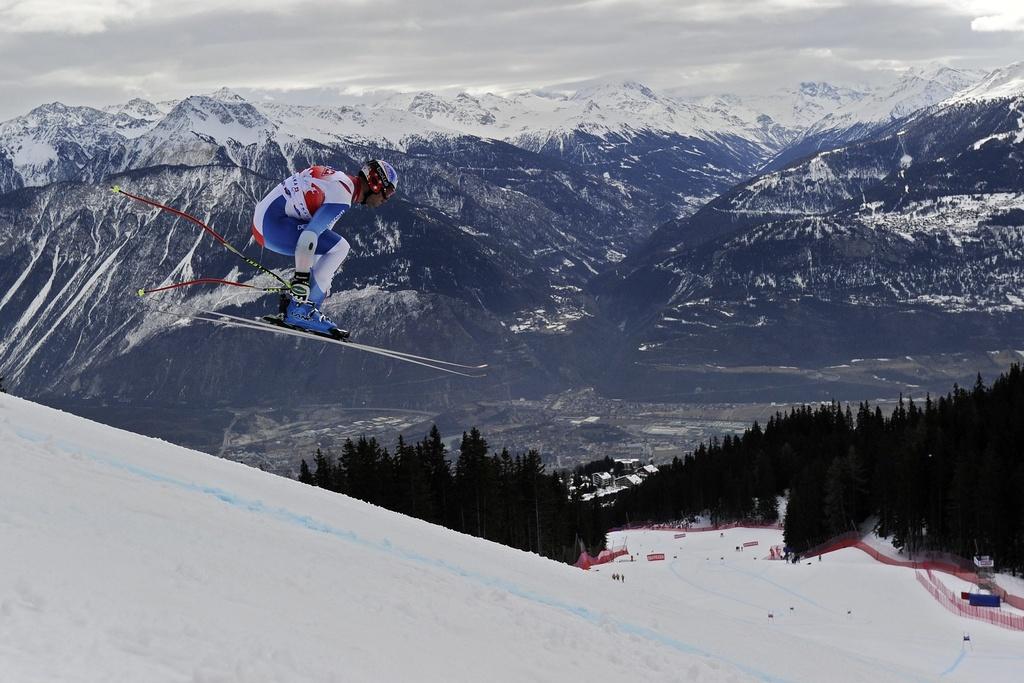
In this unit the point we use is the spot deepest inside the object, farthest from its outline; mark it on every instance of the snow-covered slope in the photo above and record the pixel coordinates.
(792, 109)
(55, 142)
(128, 559)
(825, 117)
(877, 614)
(1000, 84)
(600, 108)
(916, 89)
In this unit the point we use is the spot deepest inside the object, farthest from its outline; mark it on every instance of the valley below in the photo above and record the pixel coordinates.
(568, 428)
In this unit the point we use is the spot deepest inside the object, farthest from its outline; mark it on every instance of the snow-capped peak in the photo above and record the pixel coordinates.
(462, 113)
(999, 84)
(821, 90)
(40, 143)
(57, 115)
(216, 119)
(782, 116)
(915, 89)
(618, 90)
(137, 108)
(227, 95)
(953, 79)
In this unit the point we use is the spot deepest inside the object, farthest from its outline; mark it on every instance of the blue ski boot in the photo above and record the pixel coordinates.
(303, 315)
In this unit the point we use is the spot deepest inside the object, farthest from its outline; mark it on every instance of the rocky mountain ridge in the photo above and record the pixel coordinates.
(910, 241)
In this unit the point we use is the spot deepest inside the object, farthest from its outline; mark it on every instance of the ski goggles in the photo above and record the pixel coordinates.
(378, 181)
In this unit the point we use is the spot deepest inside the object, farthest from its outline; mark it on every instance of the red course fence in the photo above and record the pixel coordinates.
(647, 526)
(948, 564)
(951, 602)
(586, 560)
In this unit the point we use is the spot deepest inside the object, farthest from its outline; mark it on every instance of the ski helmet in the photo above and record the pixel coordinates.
(380, 177)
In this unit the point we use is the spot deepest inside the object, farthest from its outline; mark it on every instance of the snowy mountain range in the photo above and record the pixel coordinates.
(37, 144)
(908, 241)
(543, 232)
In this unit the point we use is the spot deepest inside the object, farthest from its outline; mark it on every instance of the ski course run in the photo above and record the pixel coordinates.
(877, 615)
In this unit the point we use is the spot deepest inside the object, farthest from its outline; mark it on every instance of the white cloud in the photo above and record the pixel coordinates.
(985, 15)
(97, 16)
(1007, 21)
(57, 16)
(103, 51)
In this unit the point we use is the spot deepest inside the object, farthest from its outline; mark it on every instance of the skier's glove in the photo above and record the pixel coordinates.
(300, 287)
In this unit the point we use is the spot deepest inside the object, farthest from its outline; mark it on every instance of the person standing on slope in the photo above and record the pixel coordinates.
(297, 218)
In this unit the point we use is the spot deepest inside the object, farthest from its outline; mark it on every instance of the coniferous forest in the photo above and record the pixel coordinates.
(945, 474)
(504, 498)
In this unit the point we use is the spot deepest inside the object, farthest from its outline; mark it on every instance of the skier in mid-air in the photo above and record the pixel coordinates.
(297, 218)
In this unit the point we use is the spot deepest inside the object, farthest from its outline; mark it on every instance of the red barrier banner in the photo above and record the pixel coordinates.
(586, 561)
(647, 526)
(948, 599)
(680, 536)
(651, 557)
(749, 544)
(958, 567)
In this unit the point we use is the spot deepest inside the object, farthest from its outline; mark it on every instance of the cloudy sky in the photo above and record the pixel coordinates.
(104, 51)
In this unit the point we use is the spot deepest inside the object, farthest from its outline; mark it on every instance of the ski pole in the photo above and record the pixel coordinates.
(208, 280)
(116, 189)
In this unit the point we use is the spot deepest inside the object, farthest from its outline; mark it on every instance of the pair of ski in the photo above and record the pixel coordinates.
(275, 325)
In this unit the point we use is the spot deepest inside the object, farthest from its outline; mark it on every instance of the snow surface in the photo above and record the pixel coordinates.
(129, 559)
(916, 89)
(859, 611)
(1000, 84)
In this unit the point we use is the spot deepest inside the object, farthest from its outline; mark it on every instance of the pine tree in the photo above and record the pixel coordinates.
(530, 474)
(473, 482)
(767, 509)
(412, 485)
(366, 470)
(305, 476)
(323, 477)
(433, 455)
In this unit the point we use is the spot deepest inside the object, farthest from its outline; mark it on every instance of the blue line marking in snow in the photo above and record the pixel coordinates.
(31, 437)
(955, 664)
